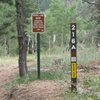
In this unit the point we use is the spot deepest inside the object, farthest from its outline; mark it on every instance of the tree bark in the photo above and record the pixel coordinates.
(21, 38)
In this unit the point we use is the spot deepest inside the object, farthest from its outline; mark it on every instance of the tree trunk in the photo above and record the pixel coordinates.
(21, 38)
(30, 46)
(49, 44)
(7, 46)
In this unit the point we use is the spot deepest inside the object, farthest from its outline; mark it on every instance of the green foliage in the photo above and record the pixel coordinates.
(94, 12)
(10, 2)
(7, 19)
(8, 23)
(58, 16)
(44, 4)
(29, 7)
(56, 22)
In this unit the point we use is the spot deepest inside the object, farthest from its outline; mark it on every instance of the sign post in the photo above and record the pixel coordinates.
(38, 27)
(73, 57)
(38, 55)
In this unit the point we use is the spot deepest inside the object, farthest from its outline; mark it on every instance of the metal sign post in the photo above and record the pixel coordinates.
(38, 27)
(73, 57)
(38, 55)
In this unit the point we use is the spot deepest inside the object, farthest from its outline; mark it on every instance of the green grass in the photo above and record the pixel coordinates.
(88, 55)
(90, 91)
(93, 83)
(8, 60)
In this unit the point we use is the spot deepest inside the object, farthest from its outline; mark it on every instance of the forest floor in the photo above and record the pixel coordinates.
(38, 89)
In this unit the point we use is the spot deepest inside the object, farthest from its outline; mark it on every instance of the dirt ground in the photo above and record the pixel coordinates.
(37, 90)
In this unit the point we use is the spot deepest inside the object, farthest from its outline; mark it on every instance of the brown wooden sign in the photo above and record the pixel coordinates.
(73, 56)
(38, 22)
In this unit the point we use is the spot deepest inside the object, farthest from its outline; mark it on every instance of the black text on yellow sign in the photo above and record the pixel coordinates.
(74, 70)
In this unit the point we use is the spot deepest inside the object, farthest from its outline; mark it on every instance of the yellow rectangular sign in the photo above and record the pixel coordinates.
(74, 70)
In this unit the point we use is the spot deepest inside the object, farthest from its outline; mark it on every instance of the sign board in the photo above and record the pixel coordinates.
(73, 56)
(38, 22)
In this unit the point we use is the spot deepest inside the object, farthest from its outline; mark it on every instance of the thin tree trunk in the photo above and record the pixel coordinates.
(7, 45)
(21, 38)
(35, 43)
(49, 44)
(54, 40)
(30, 46)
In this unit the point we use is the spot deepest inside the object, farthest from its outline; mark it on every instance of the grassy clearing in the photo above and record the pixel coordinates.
(8, 60)
(59, 70)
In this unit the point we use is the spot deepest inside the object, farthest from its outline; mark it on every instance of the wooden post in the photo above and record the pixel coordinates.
(73, 57)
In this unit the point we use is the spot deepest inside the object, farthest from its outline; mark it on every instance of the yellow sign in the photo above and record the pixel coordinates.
(74, 70)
